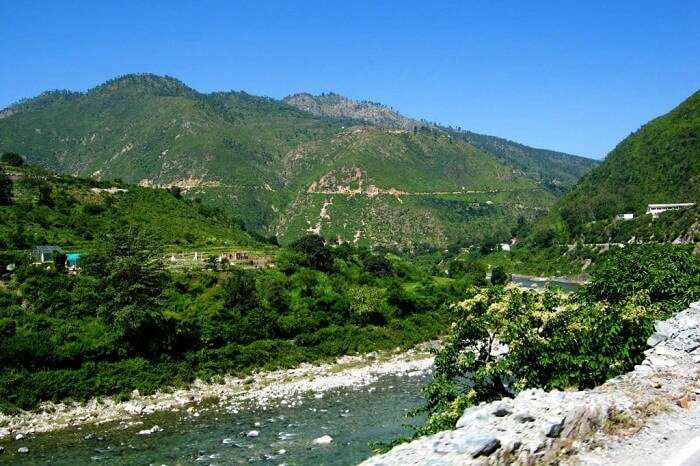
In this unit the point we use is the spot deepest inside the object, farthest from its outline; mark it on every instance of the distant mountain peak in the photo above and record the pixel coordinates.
(337, 106)
(147, 83)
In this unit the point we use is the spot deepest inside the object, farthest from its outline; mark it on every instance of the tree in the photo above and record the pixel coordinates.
(368, 305)
(45, 198)
(669, 273)
(488, 246)
(176, 191)
(59, 261)
(499, 276)
(239, 291)
(521, 229)
(378, 265)
(544, 238)
(127, 275)
(506, 339)
(5, 189)
(318, 256)
(11, 158)
(475, 271)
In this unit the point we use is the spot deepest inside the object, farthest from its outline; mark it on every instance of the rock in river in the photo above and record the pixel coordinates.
(324, 440)
(150, 431)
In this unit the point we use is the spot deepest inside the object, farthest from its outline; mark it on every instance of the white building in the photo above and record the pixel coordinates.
(657, 209)
(625, 216)
(505, 247)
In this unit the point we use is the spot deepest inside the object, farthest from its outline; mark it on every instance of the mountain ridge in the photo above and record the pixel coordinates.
(563, 169)
(258, 157)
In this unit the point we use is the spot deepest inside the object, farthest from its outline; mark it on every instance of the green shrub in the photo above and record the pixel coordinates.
(669, 273)
(11, 158)
(499, 276)
(557, 340)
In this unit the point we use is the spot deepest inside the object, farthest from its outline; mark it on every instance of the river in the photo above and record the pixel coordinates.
(541, 283)
(215, 435)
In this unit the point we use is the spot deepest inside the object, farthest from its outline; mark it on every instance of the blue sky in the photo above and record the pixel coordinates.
(566, 75)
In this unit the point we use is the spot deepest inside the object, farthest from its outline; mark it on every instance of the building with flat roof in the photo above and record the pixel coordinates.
(44, 253)
(657, 209)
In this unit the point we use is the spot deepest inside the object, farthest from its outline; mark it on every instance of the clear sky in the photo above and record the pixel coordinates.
(575, 76)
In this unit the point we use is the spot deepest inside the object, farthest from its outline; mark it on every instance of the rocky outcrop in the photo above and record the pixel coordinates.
(538, 427)
(337, 106)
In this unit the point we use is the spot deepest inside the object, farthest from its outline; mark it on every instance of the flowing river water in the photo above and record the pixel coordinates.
(215, 435)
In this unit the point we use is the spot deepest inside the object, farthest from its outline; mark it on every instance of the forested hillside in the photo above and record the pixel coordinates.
(659, 163)
(555, 171)
(286, 171)
(39, 207)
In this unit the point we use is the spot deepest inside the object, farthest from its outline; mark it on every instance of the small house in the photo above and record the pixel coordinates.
(236, 256)
(42, 254)
(624, 216)
(505, 247)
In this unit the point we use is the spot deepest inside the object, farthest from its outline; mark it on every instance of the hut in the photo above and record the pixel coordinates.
(44, 253)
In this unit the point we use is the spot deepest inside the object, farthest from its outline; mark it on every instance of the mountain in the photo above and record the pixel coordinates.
(282, 168)
(659, 163)
(556, 171)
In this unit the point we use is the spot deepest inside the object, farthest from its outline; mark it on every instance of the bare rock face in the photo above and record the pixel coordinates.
(335, 105)
(538, 427)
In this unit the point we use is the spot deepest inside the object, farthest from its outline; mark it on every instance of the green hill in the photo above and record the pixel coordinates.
(555, 171)
(74, 213)
(276, 166)
(128, 319)
(659, 163)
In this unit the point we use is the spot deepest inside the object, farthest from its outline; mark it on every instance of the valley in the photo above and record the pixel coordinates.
(177, 284)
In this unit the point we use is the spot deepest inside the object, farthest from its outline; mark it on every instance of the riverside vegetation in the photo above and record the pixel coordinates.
(125, 322)
(505, 339)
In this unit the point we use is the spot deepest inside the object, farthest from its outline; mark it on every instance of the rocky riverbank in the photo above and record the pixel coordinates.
(540, 427)
(285, 387)
(574, 280)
